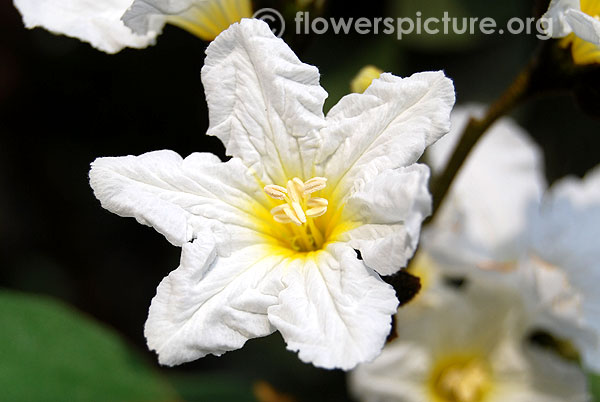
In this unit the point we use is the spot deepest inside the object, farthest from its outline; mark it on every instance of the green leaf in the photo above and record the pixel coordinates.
(50, 352)
(594, 384)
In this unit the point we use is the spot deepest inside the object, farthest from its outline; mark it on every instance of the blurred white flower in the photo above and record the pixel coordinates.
(111, 25)
(483, 220)
(471, 348)
(578, 21)
(268, 237)
(497, 225)
(563, 261)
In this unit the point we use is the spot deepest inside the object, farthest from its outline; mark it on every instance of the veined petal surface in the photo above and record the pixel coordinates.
(380, 130)
(212, 304)
(176, 195)
(391, 208)
(264, 103)
(334, 310)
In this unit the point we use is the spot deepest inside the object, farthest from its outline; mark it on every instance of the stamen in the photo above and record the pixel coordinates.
(299, 207)
(292, 215)
(275, 191)
(317, 207)
(314, 184)
(299, 212)
(317, 202)
(295, 187)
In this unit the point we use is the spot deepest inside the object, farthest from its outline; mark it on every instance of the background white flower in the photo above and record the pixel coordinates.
(484, 219)
(497, 225)
(564, 260)
(111, 25)
(471, 348)
(578, 22)
(259, 252)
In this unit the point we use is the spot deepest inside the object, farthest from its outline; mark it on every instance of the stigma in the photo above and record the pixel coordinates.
(299, 206)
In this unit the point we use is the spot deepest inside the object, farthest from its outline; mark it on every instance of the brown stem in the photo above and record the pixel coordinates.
(515, 93)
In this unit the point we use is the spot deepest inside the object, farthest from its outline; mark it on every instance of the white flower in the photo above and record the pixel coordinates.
(576, 16)
(578, 21)
(471, 348)
(498, 225)
(564, 260)
(483, 220)
(268, 237)
(111, 25)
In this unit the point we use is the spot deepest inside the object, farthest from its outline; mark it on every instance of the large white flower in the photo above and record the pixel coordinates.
(563, 261)
(268, 237)
(111, 25)
(578, 21)
(471, 348)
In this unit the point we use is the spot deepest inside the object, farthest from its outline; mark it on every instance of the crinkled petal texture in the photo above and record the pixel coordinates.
(565, 245)
(378, 130)
(264, 104)
(212, 304)
(484, 219)
(242, 274)
(204, 18)
(334, 311)
(569, 16)
(96, 22)
(421, 363)
(370, 145)
(392, 207)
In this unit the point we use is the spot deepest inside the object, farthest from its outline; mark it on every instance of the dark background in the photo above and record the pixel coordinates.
(63, 103)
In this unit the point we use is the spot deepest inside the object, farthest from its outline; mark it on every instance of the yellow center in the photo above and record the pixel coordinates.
(584, 52)
(299, 211)
(460, 379)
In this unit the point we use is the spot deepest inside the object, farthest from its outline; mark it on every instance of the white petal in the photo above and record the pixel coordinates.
(565, 16)
(391, 207)
(556, 15)
(387, 127)
(485, 214)
(211, 304)
(265, 105)
(96, 22)
(334, 311)
(584, 26)
(176, 196)
(205, 18)
(566, 236)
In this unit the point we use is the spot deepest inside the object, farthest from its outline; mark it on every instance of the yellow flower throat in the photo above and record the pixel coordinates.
(300, 209)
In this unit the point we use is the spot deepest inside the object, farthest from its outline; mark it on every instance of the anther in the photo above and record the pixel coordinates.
(314, 184)
(299, 205)
(275, 191)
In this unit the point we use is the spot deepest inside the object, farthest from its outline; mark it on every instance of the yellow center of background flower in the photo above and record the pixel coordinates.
(460, 379)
